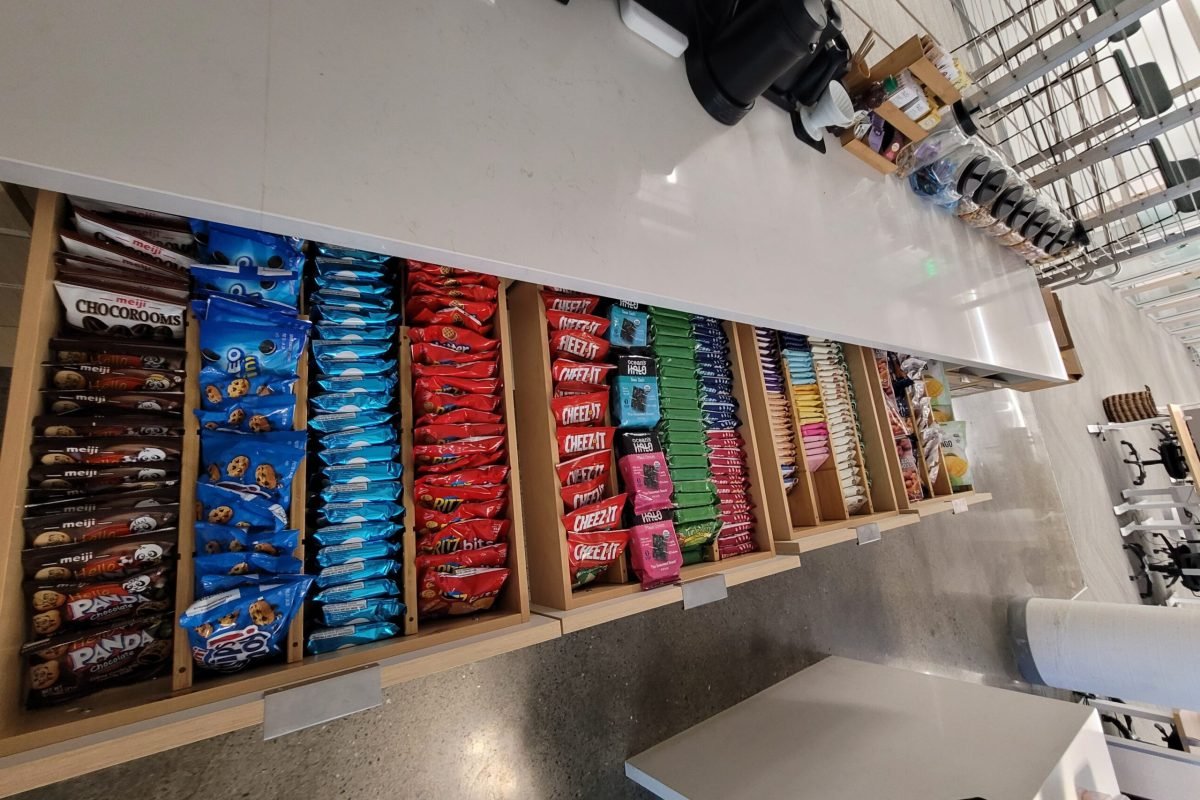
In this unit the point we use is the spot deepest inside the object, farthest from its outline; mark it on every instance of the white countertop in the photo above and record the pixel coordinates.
(848, 730)
(522, 137)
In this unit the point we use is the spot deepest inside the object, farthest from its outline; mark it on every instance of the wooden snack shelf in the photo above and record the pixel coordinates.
(549, 575)
(122, 723)
(814, 514)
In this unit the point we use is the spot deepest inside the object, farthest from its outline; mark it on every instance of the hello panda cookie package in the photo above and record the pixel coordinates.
(102, 499)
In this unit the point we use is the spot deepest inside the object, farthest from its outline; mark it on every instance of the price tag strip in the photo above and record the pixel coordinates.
(299, 707)
(704, 590)
(868, 533)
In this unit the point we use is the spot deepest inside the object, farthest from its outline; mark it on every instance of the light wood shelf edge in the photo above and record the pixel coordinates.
(57, 762)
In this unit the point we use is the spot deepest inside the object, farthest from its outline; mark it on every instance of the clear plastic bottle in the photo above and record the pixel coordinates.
(944, 180)
(940, 141)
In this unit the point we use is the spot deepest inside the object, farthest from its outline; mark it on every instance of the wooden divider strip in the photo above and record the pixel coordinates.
(408, 541)
(38, 323)
(298, 513)
(774, 493)
(759, 475)
(516, 590)
(181, 672)
(548, 574)
(870, 414)
(870, 380)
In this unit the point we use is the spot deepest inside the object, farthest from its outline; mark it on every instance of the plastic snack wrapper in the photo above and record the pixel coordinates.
(228, 631)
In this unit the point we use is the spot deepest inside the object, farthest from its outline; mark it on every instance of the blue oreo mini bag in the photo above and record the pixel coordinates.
(242, 359)
(331, 639)
(359, 437)
(280, 286)
(228, 631)
(357, 572)
(359, 511)
(349, 351)
(348, 420)
(357, 551)
(354, 532)
(242, 247)
(363, 491)
(364, 473)
(364, 454)
(356, 612)
(342, 402)
(358, 590)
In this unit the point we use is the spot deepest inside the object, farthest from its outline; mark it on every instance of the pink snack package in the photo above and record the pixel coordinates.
(654, 549)
(644, 471)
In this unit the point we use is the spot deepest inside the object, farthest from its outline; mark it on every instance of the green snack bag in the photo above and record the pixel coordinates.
(670, 440)
(681, 398)
(695, 474)
(676, 368)
(693, 556)
(684, 382)
(675, 461)
(694, 500)
(658, 312)
(695, 514)
(668, 339)
(677, 355)
(697, 534)
(677, 425)
(688, 406)
(704, 486)
(677, 450)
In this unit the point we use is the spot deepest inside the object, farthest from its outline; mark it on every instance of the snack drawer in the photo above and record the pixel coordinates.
(550, 579)
(179, 689)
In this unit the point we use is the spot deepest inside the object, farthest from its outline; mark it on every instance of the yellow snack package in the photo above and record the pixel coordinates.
(954, 449)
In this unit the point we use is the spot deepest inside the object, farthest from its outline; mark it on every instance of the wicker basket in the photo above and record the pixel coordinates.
(1130, 407)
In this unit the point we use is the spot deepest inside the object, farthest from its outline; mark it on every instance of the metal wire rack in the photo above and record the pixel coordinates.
(1096, 104)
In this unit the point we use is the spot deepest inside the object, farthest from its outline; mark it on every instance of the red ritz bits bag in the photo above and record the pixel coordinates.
(459, 416)
(580, 409)
(467, 591)
(429, 520)
(458, 339)
(577, 344)
(466, 477)
(494, 555)
(447, 385)
(583, 469)
(441, 434)
(476, 293)
(440, 402)
(590, 554)
(469, 535)
(448, 498)
(436, 354)
(602, 516)
(569, 301)
(582, 494)
(448, 276)
(473, 371)
(463, 454)
(483, 311)
(575, 441)
(566, 321)
(452, 316)
(564, 369)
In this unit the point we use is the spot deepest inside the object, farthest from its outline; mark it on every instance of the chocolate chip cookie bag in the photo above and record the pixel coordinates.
(230, 630)
(242, 358)
(262, 464)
